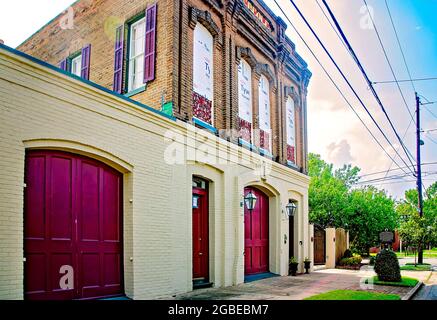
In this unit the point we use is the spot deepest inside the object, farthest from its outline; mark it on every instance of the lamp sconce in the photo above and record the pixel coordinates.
(250, 201)
(290, 208)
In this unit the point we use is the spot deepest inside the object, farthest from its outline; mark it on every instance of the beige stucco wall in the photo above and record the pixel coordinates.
(330, 248)
(42, 108)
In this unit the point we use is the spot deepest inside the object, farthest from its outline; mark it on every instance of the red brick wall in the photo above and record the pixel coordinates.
(95, 22)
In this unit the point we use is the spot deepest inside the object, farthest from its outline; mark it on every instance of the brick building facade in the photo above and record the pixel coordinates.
(107, 121)
(241, 29)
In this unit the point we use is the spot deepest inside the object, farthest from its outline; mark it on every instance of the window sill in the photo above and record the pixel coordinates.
(204, 125)
(265, 153)
(292, 165)
(247, 145)
(136, 91)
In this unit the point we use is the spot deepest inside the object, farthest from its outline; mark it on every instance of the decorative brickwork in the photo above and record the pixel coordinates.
(258, 36)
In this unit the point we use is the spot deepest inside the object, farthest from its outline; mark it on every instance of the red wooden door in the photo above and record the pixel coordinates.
(256, 225)
(200, 235)
(72, 217)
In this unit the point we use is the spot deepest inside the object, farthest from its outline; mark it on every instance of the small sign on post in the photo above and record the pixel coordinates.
(386, 238)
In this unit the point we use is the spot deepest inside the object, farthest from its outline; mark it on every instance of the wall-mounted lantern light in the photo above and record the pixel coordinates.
(250, 201)
(290, 208)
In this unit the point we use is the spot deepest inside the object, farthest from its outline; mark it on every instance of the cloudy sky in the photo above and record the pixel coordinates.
(334, 130)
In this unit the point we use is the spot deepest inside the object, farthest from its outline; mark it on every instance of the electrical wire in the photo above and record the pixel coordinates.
(364, 73)
(388, 61)
(336, 86)
(379, 172)
(400, 46)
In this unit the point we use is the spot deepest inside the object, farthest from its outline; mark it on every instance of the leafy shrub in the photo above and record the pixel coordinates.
(347, 254)
(372, 260)
(387, 266)
(351, 261)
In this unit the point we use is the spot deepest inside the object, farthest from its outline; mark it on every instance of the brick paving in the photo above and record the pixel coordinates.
(300, 287)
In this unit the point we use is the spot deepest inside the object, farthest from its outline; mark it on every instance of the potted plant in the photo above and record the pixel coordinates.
(307, 264)
(292, 266)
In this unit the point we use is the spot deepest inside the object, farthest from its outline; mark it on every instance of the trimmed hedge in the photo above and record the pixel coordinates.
(355, 260)
(387, 266)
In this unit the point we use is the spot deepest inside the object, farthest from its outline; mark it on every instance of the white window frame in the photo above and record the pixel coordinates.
(76, 65)
(133, 58)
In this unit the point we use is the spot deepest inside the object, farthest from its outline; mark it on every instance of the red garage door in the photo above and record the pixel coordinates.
(256, 225)
(72, 227)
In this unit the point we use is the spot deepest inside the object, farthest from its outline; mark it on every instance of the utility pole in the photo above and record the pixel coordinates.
(419, 172)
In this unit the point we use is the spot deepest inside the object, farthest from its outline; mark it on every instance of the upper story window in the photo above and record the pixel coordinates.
(291, 130)
(136, 54)
(76, 65)
(264, 114)
(245, 100)
(203, 74)
(141, 55)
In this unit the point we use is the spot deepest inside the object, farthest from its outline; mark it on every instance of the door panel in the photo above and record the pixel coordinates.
(319, 246)
(200, 236)
(256, 226)
(72, 218)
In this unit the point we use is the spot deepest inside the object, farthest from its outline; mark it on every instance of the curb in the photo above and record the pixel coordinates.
(413, 291)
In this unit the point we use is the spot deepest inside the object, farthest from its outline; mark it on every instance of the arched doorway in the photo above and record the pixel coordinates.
(319, 245)
(72, 227)
(256, 234)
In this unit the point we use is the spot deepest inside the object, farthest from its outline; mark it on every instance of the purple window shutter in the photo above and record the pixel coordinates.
(86, 55)
(118, 60)
(150, 49)
(63, 65)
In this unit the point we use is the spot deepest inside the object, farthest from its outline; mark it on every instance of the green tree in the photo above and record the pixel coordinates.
(363, 212)
(414, 230)
(370, 212)
(327, 194)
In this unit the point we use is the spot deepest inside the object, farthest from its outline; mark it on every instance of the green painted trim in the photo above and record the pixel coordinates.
(71, 57)
(265, 153)
(88, 82)
(48, 23)
(136, 91)
(247, 145)
(205, 125)
(128, 25)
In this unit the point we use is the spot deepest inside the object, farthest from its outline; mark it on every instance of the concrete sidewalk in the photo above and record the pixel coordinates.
(300, 287)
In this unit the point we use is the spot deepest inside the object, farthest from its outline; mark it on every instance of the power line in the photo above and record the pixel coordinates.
(388, 61)
(394, 177)
(432, 113)
(400, 81)
(345, 79)
(429, 130)
(336, 86)
(332, 26)
(405, 133)
(431, 139)
(363, 71)
(404, 181)
(374, 173)
(400, 46)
